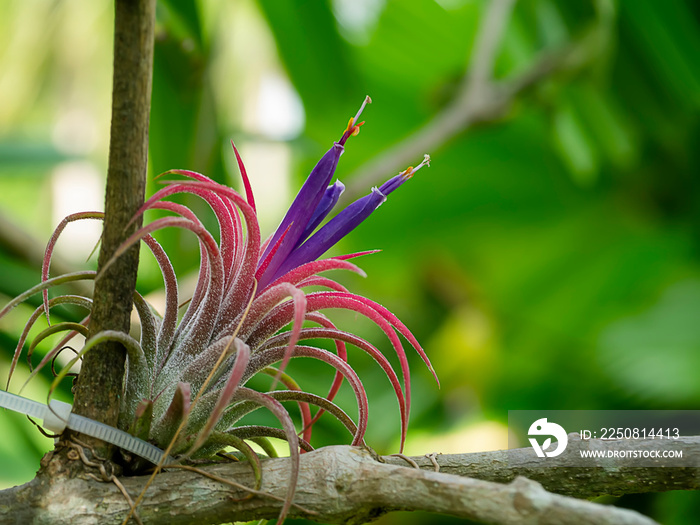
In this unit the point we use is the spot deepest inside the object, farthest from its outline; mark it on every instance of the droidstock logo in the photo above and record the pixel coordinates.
(542, 427)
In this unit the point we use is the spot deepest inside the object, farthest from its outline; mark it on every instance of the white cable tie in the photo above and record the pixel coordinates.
(57, 416)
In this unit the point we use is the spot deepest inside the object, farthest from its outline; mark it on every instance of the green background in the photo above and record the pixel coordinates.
(549, 258)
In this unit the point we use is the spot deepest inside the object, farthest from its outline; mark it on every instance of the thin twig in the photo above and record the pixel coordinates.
(80, 446)
(232, 483)
(433, 459)
(487, 42)
(478, 100)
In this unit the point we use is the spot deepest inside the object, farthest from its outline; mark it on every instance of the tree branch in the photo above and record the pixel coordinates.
(564, 475)
(343, 484)
(487, 42)
(479, 99)
(99, 386)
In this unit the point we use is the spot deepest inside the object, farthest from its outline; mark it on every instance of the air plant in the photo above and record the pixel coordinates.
(185, 385)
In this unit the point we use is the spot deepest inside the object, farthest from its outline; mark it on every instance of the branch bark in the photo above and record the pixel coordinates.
(100, 383)
(564, 475)
(343, 484)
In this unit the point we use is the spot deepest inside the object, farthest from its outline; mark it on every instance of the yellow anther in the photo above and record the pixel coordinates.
(410, 171)
(350, 124)
(353, 129)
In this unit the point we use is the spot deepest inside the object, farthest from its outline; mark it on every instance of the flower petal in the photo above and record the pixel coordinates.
(301, 211)
(337, 228)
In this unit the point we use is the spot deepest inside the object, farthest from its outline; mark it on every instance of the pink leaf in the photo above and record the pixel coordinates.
(278, 410)
(232, 384)
(265, 358)
(304, 409)
(266, 262)
(264, 303)
(322, 281)
(52, 243)
(346, 337)
(356, 254)
(309, 269)
(62, 299)
(396, 322)
(169, 323)
(244, 176)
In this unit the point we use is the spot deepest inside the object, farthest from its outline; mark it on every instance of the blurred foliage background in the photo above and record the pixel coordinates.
(549, 259)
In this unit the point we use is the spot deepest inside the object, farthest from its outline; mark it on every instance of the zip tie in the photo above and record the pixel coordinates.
(57, 416)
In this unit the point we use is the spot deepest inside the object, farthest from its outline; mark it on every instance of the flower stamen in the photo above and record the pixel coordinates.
(353, 129)
(366, 101)
(410, 171)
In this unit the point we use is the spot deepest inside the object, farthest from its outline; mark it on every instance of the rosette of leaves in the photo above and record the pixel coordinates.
(185, 385)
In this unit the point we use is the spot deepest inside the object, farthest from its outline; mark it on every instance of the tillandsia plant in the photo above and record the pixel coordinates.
(185, 387)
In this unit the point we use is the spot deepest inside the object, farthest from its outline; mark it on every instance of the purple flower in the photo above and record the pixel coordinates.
(313, 202)
(290, 245)
(300, 213)
(346, 221)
